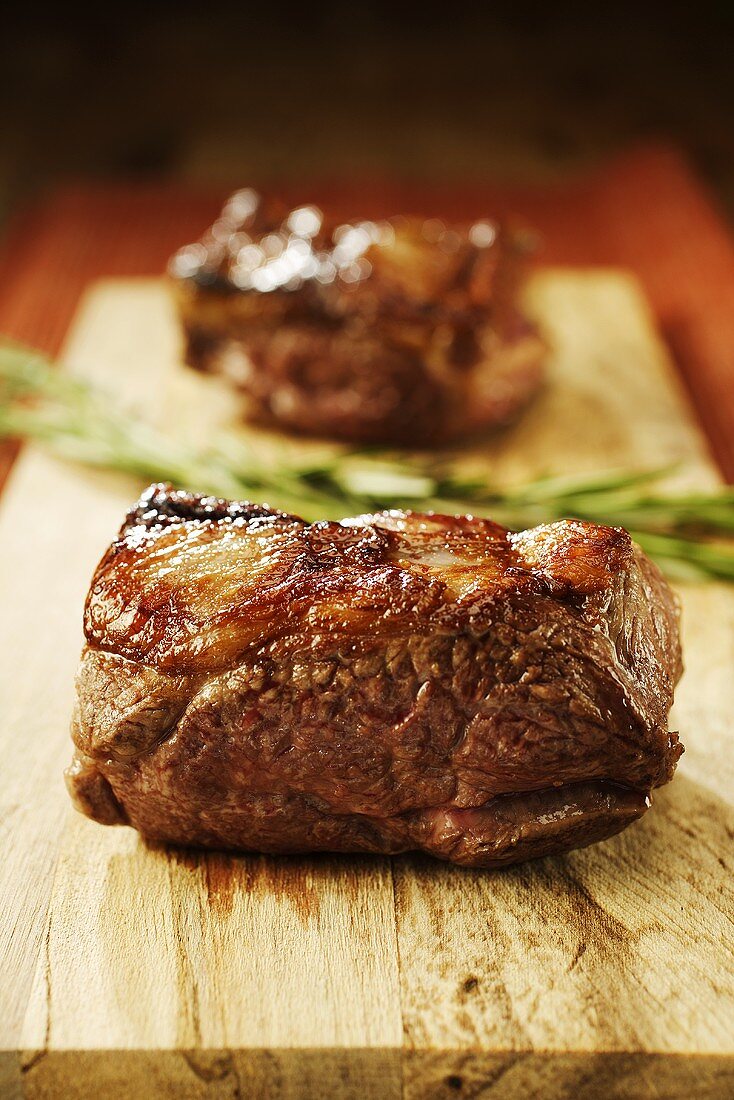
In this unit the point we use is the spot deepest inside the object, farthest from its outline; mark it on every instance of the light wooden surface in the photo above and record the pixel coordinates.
(131, 972)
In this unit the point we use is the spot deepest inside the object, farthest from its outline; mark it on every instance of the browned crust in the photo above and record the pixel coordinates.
(91, 792)
(192, 582)
(505, 830)
(353, 386)
(391, 682)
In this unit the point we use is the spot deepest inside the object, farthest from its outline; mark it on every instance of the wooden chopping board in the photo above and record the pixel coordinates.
(130, 971)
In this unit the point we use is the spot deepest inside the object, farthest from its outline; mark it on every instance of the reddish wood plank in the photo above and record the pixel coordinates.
(646, 211)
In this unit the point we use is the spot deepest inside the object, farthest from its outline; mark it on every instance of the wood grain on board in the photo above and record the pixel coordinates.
(131, 971)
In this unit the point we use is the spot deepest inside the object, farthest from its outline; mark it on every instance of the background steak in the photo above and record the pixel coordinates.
(407, 331)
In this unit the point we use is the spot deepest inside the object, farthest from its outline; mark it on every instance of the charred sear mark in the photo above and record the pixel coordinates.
(161, 505)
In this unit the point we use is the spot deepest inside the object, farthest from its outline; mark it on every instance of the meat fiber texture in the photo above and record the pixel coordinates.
(387, 683)
(406, 331)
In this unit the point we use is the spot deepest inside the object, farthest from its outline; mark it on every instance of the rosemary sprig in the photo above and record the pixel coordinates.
(690, 533)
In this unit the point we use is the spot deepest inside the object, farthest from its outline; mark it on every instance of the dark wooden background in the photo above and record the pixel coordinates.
(212, 92)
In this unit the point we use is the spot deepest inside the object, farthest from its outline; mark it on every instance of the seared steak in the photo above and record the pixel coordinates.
(391, 682)
(405, 332)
